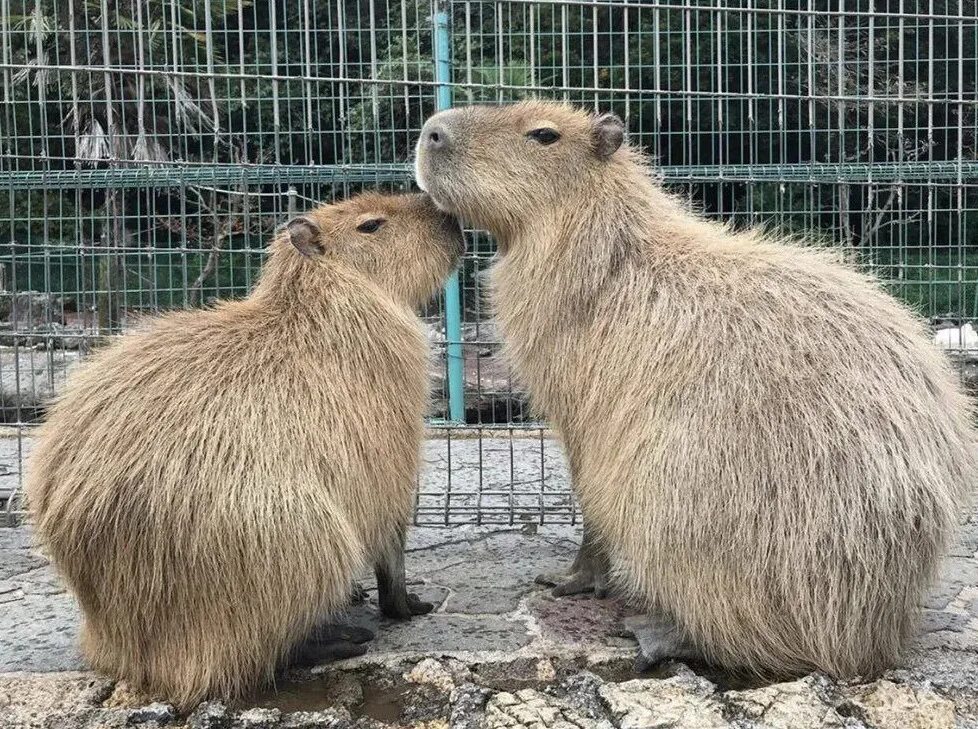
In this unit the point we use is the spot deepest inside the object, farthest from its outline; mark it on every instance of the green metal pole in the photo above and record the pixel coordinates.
(453, 299)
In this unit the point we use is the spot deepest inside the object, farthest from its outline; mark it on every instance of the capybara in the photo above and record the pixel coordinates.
(210, 486)
(765, 445)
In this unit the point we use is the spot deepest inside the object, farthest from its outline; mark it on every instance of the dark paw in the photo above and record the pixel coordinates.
(313, 653)
(343, 649)
(417, 606)
(645, 663)
(342, 633)
(357, 634)
(404, 609)
(576, 583)
(659, 642)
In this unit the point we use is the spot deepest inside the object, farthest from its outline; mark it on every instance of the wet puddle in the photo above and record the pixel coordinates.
(383, 703)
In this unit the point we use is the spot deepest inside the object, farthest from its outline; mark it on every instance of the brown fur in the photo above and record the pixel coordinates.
(209, 486)
(768, 446)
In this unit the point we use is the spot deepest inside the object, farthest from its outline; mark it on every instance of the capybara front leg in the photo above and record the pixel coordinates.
(589, 573)
(392, 595)
(659, 640)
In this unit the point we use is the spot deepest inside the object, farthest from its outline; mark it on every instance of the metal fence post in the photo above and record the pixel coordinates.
(453, 302)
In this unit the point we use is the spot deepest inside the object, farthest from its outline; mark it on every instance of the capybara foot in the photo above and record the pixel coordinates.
(406, 607)
(340, 632)
(392, 595)
(576, 583)
(659, 640)
(589, 573)
(312, 653)
(419, 606)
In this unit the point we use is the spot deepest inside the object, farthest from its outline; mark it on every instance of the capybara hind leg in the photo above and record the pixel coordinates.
(329, 641)
(312, 653)
(335, 632)
(659, 640)
(392, 595)
(589, 573)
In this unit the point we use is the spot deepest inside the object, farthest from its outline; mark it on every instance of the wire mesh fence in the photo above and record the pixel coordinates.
(148, 150)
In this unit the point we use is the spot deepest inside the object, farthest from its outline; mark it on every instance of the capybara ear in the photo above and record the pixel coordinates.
(608, 133)
(305, 235)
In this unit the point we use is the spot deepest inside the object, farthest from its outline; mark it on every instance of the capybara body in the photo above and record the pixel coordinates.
(210, 486)
(766, 444)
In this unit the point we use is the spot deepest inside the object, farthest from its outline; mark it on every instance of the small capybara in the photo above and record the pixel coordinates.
(765, 445)
(210, 486)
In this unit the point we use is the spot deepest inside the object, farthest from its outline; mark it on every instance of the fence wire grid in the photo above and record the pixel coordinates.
(149, 149)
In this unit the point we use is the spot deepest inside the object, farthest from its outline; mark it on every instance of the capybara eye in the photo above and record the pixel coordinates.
(544, 135)
(371, 226)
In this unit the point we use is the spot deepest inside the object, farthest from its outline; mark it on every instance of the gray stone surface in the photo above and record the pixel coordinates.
(497, 477)
(42, 699)
(209, 715)
(40, 620)
(682, 702)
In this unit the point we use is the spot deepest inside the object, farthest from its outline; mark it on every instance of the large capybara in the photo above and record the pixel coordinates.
(210, 486)
(766, 446)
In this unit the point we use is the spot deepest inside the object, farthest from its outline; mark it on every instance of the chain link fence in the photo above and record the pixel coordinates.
(149, 149)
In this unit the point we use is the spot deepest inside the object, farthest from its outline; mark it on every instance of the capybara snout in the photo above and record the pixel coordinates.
(494, 165)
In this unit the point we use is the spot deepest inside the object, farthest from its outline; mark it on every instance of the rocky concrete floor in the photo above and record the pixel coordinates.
(498, 651)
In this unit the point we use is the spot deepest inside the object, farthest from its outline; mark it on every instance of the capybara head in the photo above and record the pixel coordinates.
(496, 165)
(402, 243)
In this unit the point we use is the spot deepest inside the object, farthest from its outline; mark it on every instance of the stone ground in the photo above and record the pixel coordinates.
(498, 651)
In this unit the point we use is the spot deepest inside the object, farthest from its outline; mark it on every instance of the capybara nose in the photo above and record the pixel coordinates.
(434, 137)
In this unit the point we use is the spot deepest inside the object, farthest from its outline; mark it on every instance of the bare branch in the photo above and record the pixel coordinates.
(870, 234)
(235, 207)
